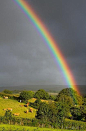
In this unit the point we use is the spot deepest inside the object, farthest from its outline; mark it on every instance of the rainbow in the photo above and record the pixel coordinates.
(52, 45)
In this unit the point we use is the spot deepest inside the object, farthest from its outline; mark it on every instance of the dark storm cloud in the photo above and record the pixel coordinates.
(24, 58)
(66, 21)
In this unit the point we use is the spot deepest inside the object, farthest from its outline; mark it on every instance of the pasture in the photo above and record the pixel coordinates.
(16, 107)
(4, 127)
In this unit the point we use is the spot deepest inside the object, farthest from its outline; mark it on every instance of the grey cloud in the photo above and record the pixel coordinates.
(66, 21)
(24, 56)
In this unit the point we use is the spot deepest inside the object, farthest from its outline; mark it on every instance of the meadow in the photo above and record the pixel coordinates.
(17, 107)
(4, 127)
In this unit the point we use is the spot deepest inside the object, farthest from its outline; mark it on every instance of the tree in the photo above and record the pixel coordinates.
(25, 95)
(83, 112)
(8, 115)
(47, 113)
(63, 111)
(77, 99)
(42, 112)
(84, 101)
(52, 114)
(52, 97)
(7, 91)
(76, 113)
(36, 104)
(66, 99)
(41, 94)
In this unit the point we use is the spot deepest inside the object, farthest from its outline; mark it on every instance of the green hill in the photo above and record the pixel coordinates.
(17, 107)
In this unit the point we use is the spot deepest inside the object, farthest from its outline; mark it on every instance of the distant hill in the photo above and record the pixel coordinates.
(49, 88)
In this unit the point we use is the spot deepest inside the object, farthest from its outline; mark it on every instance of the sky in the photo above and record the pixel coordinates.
(25, 58)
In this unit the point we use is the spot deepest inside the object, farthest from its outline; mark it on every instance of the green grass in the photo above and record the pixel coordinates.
(32, 100)
(16, 108)
(4, 127)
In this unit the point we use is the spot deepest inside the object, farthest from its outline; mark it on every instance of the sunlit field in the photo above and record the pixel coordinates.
(5, 127)
(17, 107)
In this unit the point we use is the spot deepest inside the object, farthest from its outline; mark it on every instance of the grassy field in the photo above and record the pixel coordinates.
(4, 127)
(33, 100)
(16, 108)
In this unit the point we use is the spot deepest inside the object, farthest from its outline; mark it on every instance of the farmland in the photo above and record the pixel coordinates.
(16, 108)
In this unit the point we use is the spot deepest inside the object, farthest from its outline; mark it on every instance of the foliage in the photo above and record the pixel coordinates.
(63, 111)
(74, 125)
(43, 111)
(26, 95)
(52, 114)
(84, 101)
(52, 97)
(83, 112)
(76, 113)
(41, 94)
(8, 115)
(49, 113)
(69, 92)
(10, 96)
(36, 104)
(65, 99)
(7, 91)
